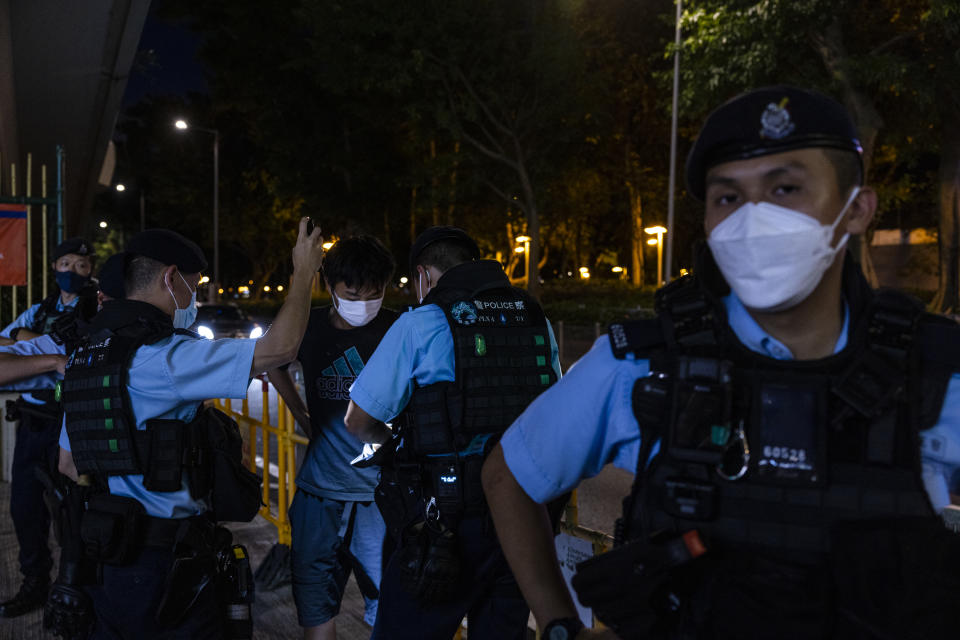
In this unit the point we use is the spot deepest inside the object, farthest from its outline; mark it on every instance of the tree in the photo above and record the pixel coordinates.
(877, 57)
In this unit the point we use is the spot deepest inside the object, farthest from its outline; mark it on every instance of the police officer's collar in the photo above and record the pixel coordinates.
(117, 314)
(469, 275)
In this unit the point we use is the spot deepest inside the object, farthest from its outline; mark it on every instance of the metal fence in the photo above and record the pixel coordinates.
(19, 186)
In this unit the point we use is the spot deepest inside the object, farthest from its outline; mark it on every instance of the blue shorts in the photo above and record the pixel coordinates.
(321, 562)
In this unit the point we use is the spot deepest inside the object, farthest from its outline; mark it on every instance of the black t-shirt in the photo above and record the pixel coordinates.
(332, 359)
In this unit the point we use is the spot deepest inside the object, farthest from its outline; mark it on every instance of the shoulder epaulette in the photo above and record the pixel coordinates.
(639, 337)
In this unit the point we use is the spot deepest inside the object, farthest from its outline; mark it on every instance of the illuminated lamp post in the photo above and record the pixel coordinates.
(657, 231)
(183, 126)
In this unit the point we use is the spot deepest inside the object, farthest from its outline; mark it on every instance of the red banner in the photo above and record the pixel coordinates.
(13, 244)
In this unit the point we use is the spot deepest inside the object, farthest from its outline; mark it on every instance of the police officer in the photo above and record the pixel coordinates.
(135, 428)
(451, 374)
(781, 403)
(72, 267)
(38, 363)
(38, 420)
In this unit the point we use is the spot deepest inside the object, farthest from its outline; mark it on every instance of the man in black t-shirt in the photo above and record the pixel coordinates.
(335, 524)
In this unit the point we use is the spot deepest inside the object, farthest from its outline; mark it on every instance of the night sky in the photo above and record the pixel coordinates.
(174, 68)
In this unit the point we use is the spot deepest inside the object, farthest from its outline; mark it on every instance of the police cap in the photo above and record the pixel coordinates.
(168, 247)
(766, 121)
(112, 274)
(435, 234)
(78, 246)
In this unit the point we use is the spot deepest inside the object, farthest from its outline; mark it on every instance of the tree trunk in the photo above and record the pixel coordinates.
(636, 239)
(413, 215)
(452, 195)
(948, 293)
(434, 184)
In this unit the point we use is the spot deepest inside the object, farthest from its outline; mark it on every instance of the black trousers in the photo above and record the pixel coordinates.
(36, 447)
(487, 594)
(127, 600)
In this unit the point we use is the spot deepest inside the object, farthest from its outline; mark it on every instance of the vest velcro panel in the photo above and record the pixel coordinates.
(100, 424)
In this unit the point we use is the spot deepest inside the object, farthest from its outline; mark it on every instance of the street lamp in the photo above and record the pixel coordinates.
(657, 231)
(525, 249)
(103, 224)
(183, 126)
(120, 187)
(673, 138)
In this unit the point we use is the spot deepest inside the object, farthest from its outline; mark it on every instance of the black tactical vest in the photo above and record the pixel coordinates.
(102, 429)
(502, 356)
(787, 469)
(48, 318)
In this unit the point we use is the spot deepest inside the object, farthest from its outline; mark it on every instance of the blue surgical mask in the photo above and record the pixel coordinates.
(71, 282)
(184, 318)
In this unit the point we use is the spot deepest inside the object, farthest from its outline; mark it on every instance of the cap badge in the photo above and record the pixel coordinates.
(775, 121)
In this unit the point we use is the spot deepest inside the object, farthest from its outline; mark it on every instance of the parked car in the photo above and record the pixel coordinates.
(225, 321)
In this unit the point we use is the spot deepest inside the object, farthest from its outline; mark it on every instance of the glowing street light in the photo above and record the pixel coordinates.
(524, 248)
(103, 224)
(120, 187)
(403, 280)
(183, 126)
(657, 231)
(327, 245)
(204, 279)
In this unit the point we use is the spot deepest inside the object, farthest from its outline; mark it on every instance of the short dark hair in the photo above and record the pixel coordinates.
(847, 167)
(359, 262)
(445, 254)
(141, 272)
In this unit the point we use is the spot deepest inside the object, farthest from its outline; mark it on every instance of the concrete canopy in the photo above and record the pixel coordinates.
(63, 71)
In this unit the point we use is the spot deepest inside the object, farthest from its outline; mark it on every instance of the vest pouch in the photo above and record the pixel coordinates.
(235, 491)
(898, 575)
(396, 498)
(432, 412)
(110, 528)
(163, 466)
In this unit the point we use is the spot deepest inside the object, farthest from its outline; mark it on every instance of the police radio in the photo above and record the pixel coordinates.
(701, 424)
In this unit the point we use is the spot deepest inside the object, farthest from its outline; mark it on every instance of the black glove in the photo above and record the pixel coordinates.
(638, 588)
(68, 612)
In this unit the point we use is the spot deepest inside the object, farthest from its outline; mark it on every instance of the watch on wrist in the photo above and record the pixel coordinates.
(562, 629)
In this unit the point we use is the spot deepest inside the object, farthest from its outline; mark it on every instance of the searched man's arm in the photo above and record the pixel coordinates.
(285, 386)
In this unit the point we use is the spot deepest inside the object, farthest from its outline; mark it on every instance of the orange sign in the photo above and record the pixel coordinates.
(13, 244)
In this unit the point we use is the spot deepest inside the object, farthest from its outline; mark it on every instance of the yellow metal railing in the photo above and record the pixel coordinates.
(286, 441)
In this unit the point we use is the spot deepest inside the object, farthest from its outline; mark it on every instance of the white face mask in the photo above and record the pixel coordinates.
(774, 257)
(357, 313)
(184, 318)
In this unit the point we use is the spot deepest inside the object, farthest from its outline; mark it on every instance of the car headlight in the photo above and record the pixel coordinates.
(205, 331)
(256, 332)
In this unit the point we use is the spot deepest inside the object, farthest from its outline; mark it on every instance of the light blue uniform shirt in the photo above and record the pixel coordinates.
(40, 346)
(417, 348)
(576, 427)
(26, 318)
(169, 379)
